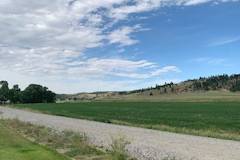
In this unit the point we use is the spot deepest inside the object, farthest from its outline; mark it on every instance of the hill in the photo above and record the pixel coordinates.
(213, 83)
(215, 88)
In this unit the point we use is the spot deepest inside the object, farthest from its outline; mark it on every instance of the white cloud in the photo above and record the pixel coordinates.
(195, 2)
(137, 6)
(210, 61)
(122, 36)
(165, 70)
(55, 62)
(224, 41)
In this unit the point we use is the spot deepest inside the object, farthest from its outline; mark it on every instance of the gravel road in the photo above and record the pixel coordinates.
(145, 144)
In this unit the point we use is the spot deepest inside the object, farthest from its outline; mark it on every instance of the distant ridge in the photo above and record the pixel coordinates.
(212, 83)
(230, 83)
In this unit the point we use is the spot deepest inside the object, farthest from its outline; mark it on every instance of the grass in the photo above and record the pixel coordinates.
(118, 148)
(15, 147)
(72, 145)
(201, 96)
(212, 119)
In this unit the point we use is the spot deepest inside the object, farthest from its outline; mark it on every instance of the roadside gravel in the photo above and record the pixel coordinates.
(145, 144)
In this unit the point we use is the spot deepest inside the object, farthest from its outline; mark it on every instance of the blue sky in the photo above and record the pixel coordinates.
(74, 45)
(201, 40)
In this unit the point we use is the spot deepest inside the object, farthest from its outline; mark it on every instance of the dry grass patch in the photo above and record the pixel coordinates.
(119, 149)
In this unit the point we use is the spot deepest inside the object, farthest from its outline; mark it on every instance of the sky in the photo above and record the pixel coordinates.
(74, 46)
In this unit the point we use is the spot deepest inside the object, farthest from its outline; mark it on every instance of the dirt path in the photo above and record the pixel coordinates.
(145, 144)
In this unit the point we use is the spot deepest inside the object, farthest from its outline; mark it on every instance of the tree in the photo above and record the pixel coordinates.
(235, 87)
(172, 89)
(4, 91)
(165, 90)
(197, 85)
(15, 94)
(48, 96)
(38, 94)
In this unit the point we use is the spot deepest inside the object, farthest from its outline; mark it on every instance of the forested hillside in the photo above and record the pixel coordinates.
(220, 82)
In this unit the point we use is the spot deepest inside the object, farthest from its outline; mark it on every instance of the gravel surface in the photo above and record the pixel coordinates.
(145, 144)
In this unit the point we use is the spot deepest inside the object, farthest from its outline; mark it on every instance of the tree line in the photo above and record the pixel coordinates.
(34, 93)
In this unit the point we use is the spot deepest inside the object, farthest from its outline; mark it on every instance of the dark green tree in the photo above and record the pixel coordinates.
(37, 94)
(4, 91)
(48, 96)
(15, 94)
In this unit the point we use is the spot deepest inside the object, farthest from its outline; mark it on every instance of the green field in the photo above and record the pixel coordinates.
(15, 147)
(213, 119)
